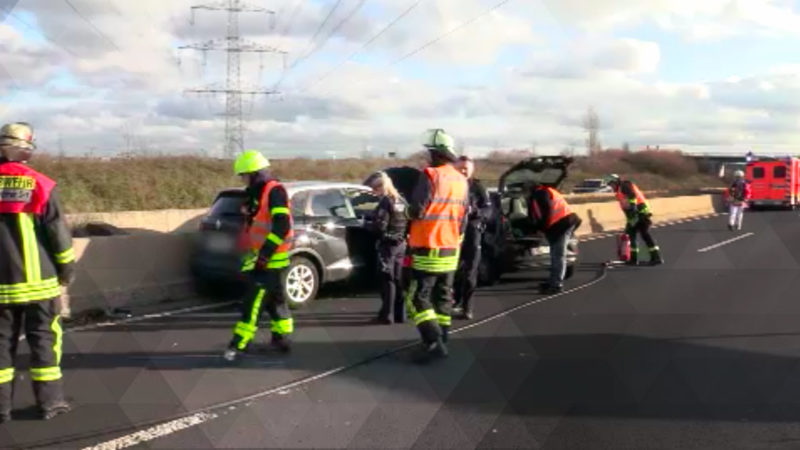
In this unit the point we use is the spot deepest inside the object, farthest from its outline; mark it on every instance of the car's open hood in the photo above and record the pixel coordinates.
(405, 178)
(546, 170)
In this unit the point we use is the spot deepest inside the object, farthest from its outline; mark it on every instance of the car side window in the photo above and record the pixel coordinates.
(298, 204)
(758, 172)
(330, 203)
(363, 202)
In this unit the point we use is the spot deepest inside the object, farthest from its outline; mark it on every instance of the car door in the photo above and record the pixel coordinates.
(328, 217)
(361, 240)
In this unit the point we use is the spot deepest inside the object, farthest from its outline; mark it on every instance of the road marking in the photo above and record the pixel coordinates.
(155, 432)
(204, 415)
(729, 241)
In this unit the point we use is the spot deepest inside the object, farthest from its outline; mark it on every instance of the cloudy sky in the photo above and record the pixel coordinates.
(106, 76)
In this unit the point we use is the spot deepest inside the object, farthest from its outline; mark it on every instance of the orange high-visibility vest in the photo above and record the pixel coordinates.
(625, 203)
(560, 208)
(260, 230)
(440, 225)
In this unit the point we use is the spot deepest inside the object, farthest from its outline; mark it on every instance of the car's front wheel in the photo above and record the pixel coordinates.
(301, 282)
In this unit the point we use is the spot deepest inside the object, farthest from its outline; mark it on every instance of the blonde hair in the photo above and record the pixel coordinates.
(383, 180)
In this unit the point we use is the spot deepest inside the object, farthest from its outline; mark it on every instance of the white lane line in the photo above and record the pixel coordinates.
(729, 241)
(155, 432)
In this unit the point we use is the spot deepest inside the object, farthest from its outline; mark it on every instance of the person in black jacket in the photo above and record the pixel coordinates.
(36, 260)
(551, 214)
(390, 223)
(480, 211)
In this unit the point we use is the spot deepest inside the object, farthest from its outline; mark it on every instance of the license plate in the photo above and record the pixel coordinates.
(219, 243)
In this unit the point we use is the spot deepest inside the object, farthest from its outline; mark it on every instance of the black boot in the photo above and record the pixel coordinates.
(54, 410)
(551, 289)
(655, 257)
(50, 399)
(281, 343)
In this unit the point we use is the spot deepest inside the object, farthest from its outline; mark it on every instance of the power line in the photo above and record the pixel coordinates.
(449, 32)
(339, 26)
(330, 34)
(322, 25)
(363, 47)
(30, 27)
(89, 22)
(310, 43)
(298, 6)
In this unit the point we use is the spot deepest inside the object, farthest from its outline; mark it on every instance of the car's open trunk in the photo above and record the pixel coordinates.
(515, 186)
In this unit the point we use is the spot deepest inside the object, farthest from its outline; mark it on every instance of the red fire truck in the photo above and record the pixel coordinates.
(774, 181)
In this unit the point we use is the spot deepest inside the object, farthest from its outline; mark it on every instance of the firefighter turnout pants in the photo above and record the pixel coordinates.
(430, 303)
(265, 293)
(41, 324)
(467, 275)
(390, 261)
(642, 227)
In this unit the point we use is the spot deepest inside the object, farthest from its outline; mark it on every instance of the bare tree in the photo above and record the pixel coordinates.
(591, 124)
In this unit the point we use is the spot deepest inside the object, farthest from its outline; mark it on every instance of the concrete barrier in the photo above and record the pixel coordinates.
(129, 271)
(606, 216)
(151, 265)
(163, 221)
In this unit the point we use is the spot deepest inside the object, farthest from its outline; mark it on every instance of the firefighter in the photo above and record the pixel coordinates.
(479, 214)
(265, 241)
(36, 260)
(739, 193)
(437, 210)
(550, 213)
(639, 218)
(391, 225)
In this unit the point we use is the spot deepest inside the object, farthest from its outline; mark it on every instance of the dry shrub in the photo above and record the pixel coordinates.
(672, 164)
(162, 182)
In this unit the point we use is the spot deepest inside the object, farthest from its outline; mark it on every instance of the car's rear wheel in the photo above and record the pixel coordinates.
(301, 282)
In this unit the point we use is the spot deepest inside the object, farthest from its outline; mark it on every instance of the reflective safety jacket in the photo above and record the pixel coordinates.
(35, 242)
(261, 237)
(559, 209)
(438, 208)
(631, 199)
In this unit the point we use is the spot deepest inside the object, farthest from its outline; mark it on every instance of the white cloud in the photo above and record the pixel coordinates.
(132, 97)
(706, 19)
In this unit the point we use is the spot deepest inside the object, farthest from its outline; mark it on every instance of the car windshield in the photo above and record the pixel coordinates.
(228, 205)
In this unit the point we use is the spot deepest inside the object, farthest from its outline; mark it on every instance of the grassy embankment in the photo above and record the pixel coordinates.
(145, 183)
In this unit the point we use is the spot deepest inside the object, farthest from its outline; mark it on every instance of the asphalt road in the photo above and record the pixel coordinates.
(698, 353)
